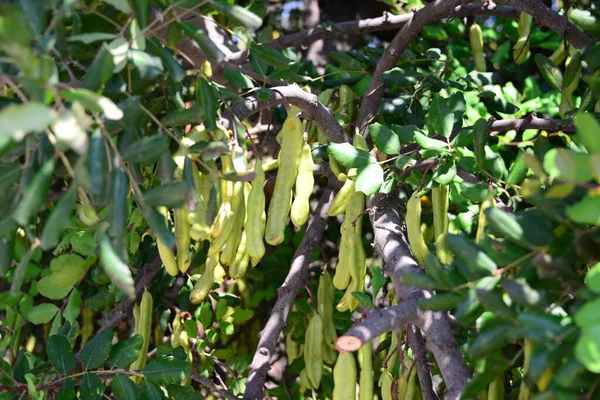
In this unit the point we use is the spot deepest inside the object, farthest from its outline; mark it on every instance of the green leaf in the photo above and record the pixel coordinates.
(587, 315)
(588, 132)
(126, 352)
(17, 120)
(119, 49)
(100, 71)
(142, 12)
(369, 179)
(549, 71)
(480, 136)
(478, 263)
(592, 278)
(238, 14)
(151, 391)
(385, 139)
(364, 299)
(67, 390)
(587, 211)
(399, 77)
(428, 143)
(238, 79)
(121, 5)
(91, 387)
(567, 164)
(270, 56)
(123, 388)
(87, 38)
(587, 349)
(71, 311)
(440, 118)
(166, 370)
(42, 313)
(349, 156)
(93, 102)
(445, 173)
(242, 315)
(60, 355)
(96, 351)
(378, 280)
(147, 65)
(170, 195)
(208, 99)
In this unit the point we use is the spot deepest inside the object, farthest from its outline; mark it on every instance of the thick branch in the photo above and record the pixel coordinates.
(417, 344)
(376, 324)
(390, 242)
(311, 108)
(532, 122)
(386, 22)
(548, 18)
(434, 11)
(286, 297)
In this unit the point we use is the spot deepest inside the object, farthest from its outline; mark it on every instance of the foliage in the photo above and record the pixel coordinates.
(129, 177)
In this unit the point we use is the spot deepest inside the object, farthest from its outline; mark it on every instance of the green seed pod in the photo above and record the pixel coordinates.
(313, 350)
(344, 377)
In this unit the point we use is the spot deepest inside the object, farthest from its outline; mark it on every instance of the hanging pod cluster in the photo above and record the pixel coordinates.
(238, 226)
(399, 374)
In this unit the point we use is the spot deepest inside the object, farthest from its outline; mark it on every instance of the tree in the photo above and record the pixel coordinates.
(203, 199)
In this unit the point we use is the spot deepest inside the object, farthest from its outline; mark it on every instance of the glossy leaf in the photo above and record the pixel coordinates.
(60, 354)
(96, 350)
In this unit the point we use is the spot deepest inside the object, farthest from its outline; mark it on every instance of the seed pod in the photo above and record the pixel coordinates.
(347, 101)
(344, 377)
(413, 228)
(341, 199)
(559, 55)
(230, 248)
(256, 217)
(242, 259)
(145, 329)
(166, 254)
(199, 229)
(182, 238)
(205, 283)
(177, 328)
(35, 194)
(365, 359)
(386, 383)
(440, 199)
(292, 348)
(55, 225)
(305, 182)
(341, 279)
(476, 38)
(227, 218)
(336, 168)
(325, 298)
(289, 161)
(313, 350)
(115, 268)
(521, 48)
(488, 202)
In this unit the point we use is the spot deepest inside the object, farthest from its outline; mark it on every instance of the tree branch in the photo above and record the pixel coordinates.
(286, 297)
(376, 324)
(417, 344)
(532, 122)
(548, 18)
(311, 108)
(434, 11)
(214, 388)
(390, 243)
(386, 22)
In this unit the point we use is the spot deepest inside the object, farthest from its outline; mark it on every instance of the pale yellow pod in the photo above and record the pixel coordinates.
(145, 329)
(341, 278)
(256, 217)
(413, 228)
(242, 259)
(166, 254)
(488, 202)
(205, 283)
(341, 199)
(305, 183)
(289, 161)
(182, 238)
(344, 377)
(365, 360)
(230, 248)
(228, 224)
(440, 202)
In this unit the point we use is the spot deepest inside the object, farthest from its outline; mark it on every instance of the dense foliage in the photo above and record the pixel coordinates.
(151, 152)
